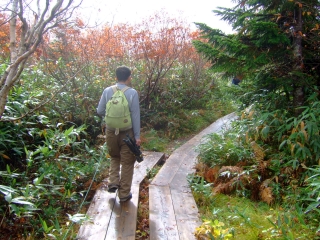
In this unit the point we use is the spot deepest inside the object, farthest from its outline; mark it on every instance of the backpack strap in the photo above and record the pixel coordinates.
(125, 89)
(115, 88)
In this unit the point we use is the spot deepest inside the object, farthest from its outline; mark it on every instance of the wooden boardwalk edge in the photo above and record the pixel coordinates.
(161, 214)
(111, 219)
(173, 210)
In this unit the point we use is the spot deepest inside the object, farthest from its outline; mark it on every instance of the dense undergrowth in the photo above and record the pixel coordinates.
(267, 164)
(52, 157)
(262, 166)
(266, 167)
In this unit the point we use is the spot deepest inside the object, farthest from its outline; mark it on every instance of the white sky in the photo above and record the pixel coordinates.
(133, 11)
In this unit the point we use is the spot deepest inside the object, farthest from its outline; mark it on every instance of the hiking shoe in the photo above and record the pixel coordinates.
(112, 189)
(126, 198)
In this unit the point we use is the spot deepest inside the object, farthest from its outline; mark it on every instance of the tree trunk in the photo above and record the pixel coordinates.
(13, 25)
(6, 78)
(298, 93)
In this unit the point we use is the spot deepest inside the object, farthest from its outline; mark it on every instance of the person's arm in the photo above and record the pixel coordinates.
(101, 109)
(135, 117)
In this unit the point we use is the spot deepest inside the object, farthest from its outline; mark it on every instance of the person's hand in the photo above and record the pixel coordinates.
(103, 128)
(138, 142)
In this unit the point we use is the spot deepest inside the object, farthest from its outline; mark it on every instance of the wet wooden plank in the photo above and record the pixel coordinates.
(150, 160)
(112, 219)
(187, 227)
(186, 212)
(162, 220)
(171, 203)
(100, 211)
(179, 180)
(184, 203)
(168, 170)
(124, 218)
(185, 207)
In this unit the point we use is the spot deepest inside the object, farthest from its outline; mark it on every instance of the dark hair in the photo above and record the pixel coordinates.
(123, 73)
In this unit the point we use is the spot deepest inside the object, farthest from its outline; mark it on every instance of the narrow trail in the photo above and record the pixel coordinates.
(173, 213)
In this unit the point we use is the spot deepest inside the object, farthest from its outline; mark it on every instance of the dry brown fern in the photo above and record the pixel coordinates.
(258, 151)
(234, 180)
(201, 169)
(225, 188)
(211, 174)
(263, 168)
(226, 173)
(266, 192)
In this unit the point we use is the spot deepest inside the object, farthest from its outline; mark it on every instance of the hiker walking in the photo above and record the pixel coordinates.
(119, 104)
(237, 80)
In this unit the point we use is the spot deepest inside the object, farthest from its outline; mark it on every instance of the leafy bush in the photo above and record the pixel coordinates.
(44, 170)
(201, 189)
(280, 150)
(312, 193)
(153, 142)
(213, 230)
(223, 150)
(58, 182)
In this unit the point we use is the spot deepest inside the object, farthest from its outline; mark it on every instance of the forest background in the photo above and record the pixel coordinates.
(54, 68)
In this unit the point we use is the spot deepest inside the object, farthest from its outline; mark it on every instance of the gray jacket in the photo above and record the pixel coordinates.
(133, 100)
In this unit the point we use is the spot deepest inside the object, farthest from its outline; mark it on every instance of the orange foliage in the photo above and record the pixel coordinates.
(4, 35)
(158, 37)
(212, 174)
(79, 47)
(158, 42)
(161, 37)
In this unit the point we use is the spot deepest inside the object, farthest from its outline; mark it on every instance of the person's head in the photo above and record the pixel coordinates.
(123, 73)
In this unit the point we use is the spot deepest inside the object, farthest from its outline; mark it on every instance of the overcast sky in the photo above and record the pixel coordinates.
(133, 11)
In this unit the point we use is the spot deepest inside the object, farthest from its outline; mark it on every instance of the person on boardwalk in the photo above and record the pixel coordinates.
(119, 152)
(236, 80)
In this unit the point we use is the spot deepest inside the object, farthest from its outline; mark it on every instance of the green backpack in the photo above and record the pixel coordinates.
(117, 111)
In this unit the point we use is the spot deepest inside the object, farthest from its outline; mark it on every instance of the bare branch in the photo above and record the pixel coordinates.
(30, 37)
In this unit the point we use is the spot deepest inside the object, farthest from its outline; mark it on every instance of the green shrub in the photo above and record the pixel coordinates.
(55, 172)
(223, 150)
(153, 142)
(313, 189)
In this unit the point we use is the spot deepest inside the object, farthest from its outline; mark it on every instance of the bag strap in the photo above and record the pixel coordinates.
(115, 88)
(125, 89)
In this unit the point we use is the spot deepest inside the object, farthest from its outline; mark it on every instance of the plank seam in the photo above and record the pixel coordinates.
(112, 212)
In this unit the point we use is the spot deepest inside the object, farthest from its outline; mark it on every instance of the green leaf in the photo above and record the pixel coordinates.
(21, 200)
(68, 131)
(38, 180)
(8, 198)
(6, 190)
(282, 144)
(265, 132)
(77, 218)
(8, 169)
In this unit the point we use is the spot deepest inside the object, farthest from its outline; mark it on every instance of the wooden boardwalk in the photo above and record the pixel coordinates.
(111, 219)
(173, 211)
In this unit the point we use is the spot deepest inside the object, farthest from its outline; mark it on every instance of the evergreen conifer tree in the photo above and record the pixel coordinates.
(276, 47)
